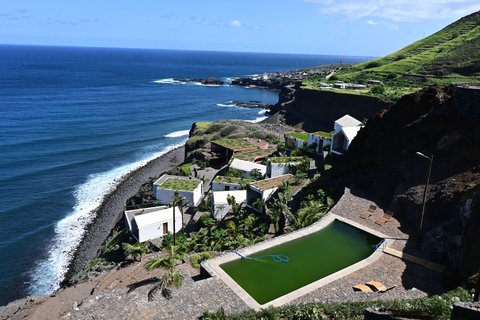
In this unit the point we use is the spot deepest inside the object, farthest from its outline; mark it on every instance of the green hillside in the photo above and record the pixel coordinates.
(450, 55)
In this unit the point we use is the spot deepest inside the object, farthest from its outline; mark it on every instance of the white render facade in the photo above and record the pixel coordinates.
(220, 206)
(317, 141)
(346, 128)
(279, 169)
(225, 186)
(165, 196)
(152, 223)
(245, 167)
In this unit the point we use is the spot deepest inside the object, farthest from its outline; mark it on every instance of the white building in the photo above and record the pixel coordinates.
(278, 166)
(264, 189)
(191, 190)
(220, 206)
(296, 139)
(346, 128)
(318, 140)
(245, 167)
(152, 223)
(221, 183)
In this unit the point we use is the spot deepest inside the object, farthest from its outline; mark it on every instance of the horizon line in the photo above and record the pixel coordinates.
(173, 49)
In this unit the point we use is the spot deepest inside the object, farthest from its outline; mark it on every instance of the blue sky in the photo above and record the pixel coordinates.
(346, 27)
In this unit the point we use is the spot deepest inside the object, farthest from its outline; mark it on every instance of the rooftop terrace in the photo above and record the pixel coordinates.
(174, 183)
(271, 183)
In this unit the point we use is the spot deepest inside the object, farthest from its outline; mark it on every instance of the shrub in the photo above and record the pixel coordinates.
(378, 89)
(197, 258)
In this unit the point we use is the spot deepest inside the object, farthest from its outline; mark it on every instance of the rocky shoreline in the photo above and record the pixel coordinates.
(109, 213)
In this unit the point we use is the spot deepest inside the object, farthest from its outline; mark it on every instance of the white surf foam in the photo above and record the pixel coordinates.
(257, 119)
(262, 111)
(177, 134)
(49, 272)
(226, 105)
(169, 81)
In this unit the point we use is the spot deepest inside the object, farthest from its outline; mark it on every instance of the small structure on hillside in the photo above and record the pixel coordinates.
(152, 223)
(191, 190)
(261, 191)
(245, 168)
(220, 205)
(296, 139)
(221, 183)
(346, 128)
(318, 140)
(351, 86)
(226, 147)
(278, 166)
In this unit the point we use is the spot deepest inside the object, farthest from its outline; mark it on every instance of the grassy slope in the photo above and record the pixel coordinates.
(450, 55)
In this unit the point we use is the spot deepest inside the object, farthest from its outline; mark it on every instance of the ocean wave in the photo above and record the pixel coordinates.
(262, 111)
(48, 273)
(169, 81)
(257, 119)
(177, 134)
(226, 105)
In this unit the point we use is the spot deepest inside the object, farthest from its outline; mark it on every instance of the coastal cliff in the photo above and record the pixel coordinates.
(382, 165)
(313, 110)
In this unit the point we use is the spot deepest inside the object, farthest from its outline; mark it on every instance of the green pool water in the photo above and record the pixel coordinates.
(311, 258)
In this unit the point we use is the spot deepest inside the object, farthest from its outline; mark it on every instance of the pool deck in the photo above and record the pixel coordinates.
(194, 297)
(212, 266)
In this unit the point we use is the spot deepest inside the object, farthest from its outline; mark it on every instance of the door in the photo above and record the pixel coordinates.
(227, 188)
(165, 228)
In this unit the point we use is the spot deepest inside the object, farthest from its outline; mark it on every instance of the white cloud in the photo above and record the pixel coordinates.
(235, 23)
(398, 10)
(372, 23)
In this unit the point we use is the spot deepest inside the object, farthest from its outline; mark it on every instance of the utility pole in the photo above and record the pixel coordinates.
(426, 186)
(175, 195)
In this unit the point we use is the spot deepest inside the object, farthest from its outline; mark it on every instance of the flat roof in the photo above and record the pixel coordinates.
(155, 217)
(240, 143)
(271, 183)
(182, 183)
(348, 121)
(351, 132)
(220, 197)
(255, 154)
(285, 159)
(322, 134)
(248, 166)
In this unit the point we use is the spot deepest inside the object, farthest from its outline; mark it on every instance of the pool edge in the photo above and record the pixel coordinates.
(212, 266)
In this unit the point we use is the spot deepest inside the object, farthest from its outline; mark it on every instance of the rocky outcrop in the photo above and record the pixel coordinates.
(314, 110)
(382, 165)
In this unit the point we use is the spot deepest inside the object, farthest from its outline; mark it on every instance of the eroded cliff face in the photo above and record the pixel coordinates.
(382, 165)
(314, 110)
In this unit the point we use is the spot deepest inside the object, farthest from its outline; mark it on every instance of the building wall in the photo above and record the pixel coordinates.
(191, 197)
(155, 231)
(278, 169)
(220, 186)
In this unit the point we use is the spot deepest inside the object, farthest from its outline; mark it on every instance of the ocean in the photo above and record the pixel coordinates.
(74, 120)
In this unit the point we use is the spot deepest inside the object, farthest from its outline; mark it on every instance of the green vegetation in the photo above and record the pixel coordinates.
(180, 184)
(285, 159)
(323, 134)
(197, 258)
(234, 143)
(222, 179)
(299, 135)
(431, 308)
(449, 56)
(251, 155)
(185, 169)
(171, 277)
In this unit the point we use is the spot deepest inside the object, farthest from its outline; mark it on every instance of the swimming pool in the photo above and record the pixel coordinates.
(297, 265)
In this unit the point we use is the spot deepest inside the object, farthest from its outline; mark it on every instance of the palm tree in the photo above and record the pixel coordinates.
(135, 251)
(179, 202)
(171, 276)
